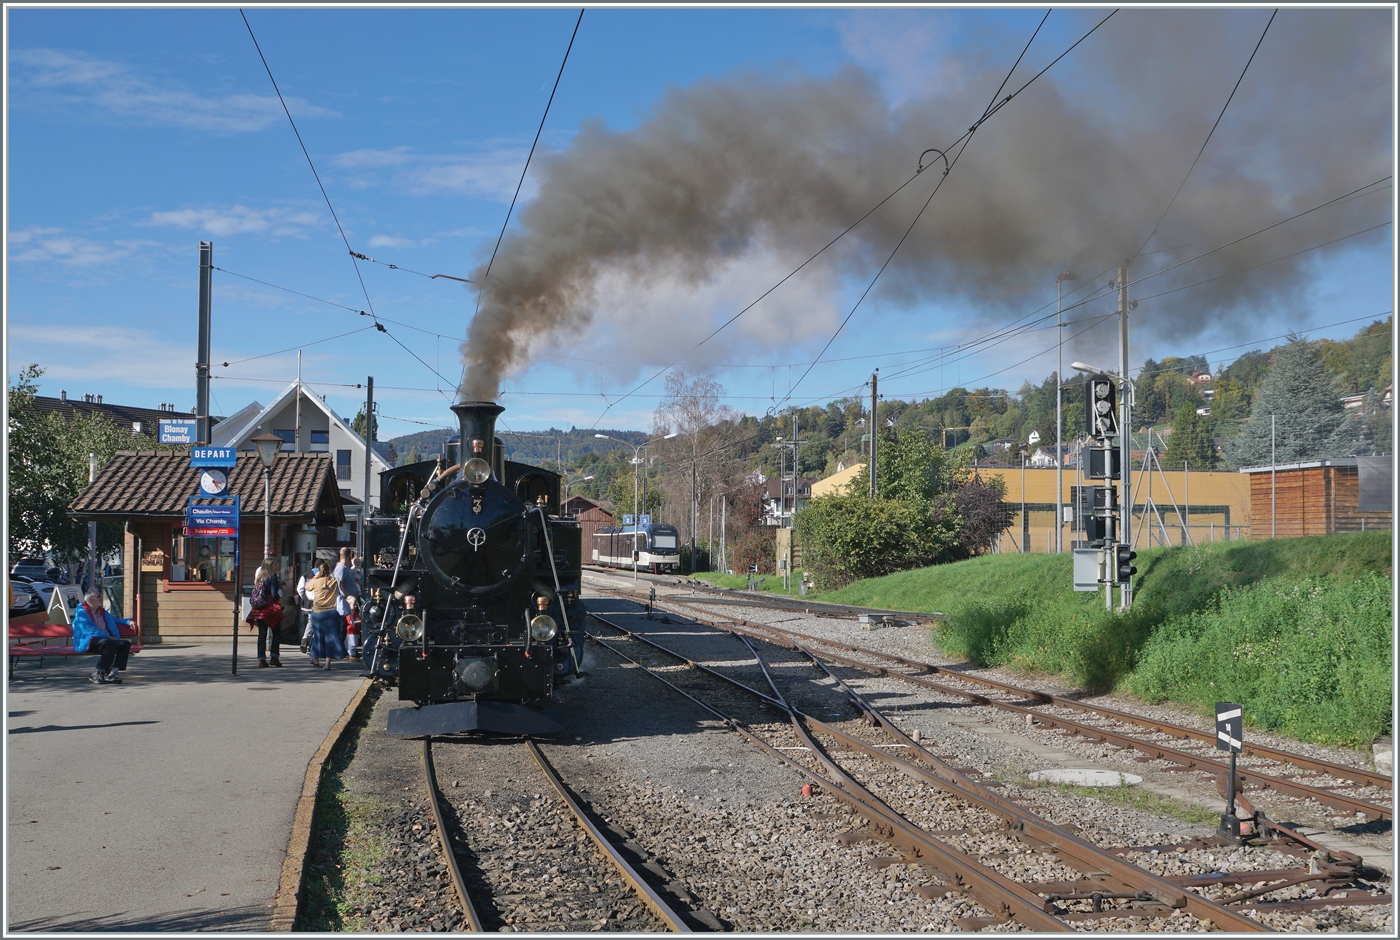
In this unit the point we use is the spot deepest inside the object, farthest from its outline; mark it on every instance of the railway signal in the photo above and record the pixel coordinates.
(1124, 569)
(1229, 736)
(1101, 406)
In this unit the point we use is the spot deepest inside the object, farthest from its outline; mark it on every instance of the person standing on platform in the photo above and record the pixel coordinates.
(96, 631)
(349, 597)
(266, 608)
(326, 642)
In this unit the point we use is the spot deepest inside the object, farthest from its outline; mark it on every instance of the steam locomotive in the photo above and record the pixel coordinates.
(474, 583)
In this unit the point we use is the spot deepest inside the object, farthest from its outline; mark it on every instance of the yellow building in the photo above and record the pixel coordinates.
(1168, 506)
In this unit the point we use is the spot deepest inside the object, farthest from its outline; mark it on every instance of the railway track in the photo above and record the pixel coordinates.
(1350, 790)
(488, 903)
(1094, 884)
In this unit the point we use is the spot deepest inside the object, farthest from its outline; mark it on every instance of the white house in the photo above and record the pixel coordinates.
(307, 424)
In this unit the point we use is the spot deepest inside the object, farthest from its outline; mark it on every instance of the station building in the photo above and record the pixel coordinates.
(186, 589)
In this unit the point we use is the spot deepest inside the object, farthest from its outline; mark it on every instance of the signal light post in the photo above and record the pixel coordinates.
(1108, 527)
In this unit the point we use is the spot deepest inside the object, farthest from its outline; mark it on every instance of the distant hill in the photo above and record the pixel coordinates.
(542, 448)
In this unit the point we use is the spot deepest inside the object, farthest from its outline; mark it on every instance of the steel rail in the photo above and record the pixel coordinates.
(434, 801)
(1156, 751)
(1089, 857)
(1186, 759)
(990, 889)
(629, 874)
(1359, 776)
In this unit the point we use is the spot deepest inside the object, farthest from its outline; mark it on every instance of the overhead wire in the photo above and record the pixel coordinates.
(528, 157)
(1204, 143)
(991, 109)
(309, 161)
(965, 136)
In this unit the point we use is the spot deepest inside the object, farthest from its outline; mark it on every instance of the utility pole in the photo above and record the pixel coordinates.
(1059, 408)
(1125, 425)
(874, 424)
(201, 363)
(296, 435)
(369, 447)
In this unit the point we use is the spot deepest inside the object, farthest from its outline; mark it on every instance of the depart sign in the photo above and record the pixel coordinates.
(213, 457)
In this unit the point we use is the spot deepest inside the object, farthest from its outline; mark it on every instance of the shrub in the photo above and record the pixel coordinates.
(759, 547)
(1311, 657)
(846, 538)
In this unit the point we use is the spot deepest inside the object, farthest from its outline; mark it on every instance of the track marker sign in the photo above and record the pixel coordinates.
(1229, 727)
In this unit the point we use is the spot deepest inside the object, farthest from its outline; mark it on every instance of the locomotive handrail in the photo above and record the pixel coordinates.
(554, 570)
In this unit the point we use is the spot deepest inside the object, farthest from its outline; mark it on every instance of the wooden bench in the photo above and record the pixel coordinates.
(33, 640)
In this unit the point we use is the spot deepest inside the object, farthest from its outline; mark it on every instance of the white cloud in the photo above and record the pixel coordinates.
(76, 353)
(49, 77)
(492, 172)
(46, 245)
(237, 220)
(389, 241)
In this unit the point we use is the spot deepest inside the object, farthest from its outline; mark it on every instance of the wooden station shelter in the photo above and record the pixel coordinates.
(1343, 494)
(183, 587)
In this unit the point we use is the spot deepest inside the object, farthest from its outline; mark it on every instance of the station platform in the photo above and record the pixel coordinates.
(164, 803)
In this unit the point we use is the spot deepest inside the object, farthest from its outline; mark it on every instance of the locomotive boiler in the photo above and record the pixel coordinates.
(474, 581)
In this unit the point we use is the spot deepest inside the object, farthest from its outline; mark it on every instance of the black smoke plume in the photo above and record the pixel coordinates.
(1073, 174)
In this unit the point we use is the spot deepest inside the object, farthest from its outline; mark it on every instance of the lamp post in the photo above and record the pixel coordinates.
(1059, 408)
(268, 446)
(569, 481)
(636, 462)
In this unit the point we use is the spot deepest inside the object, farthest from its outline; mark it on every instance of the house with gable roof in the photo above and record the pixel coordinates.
(307, 424)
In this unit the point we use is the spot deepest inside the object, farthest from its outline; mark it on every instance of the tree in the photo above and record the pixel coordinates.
(1305, 404)
(48, 468)
(1191, 441)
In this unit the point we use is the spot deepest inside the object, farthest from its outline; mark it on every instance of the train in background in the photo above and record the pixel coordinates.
(656, 547)
(473, 582)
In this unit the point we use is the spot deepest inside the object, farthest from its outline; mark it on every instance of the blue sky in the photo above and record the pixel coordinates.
(134, 134)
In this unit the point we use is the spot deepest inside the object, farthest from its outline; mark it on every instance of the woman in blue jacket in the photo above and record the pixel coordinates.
(96, 631)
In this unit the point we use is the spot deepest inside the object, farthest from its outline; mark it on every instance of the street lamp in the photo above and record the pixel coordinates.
(268, 446)
(568, 482)
(1059, 408)
(636, 461)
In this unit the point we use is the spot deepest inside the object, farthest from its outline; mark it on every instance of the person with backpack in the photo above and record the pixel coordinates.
(326, 640)
(266, 612)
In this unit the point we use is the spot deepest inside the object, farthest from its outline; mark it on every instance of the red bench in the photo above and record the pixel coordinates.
(33, 640)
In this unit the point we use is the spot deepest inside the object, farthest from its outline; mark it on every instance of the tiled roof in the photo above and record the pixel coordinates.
(123, 415)
(146, 483)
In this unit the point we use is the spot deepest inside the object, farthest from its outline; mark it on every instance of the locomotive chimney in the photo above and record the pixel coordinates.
(477, 420)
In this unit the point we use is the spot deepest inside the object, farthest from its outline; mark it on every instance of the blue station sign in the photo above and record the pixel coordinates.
(178, 430)
(213, 457)
(203, 519)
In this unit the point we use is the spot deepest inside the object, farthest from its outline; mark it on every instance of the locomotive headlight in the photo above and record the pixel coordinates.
(477, 471)
(543, 628)
(410, 628)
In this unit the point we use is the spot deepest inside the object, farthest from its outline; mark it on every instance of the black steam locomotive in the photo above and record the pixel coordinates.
(474, 582)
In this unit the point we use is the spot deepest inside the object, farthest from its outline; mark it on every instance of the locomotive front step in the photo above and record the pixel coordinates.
(453, 717)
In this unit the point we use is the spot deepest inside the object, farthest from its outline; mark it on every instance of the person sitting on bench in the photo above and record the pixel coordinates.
(96, 631)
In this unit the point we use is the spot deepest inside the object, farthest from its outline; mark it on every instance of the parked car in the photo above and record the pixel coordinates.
(24, 600)
(43, 588)
(39, 570)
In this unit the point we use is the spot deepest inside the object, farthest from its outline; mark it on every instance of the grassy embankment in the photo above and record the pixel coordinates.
(1297, 630)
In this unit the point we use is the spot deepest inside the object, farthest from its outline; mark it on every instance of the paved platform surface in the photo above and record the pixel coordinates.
(163, 803)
